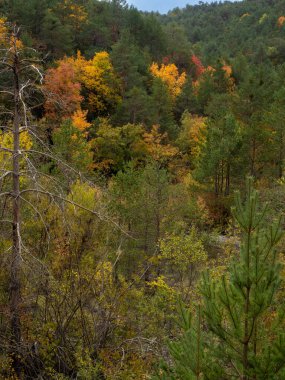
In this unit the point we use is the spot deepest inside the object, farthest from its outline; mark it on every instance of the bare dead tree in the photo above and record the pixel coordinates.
(15, 281)
(19, 76)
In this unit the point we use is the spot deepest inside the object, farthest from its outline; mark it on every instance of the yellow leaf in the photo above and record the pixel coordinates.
(169, 74)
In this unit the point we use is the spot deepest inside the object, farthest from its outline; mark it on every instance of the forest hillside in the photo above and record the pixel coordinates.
(142, 189)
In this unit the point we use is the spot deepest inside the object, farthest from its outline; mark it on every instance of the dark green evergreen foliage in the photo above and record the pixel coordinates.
(162, 108)
(221, 82)
(96, 34)
(216, 30)
(56, 36)
(241, 68)
(254, 95)
(179, 49)
(147, 32)
(187, 100)
(221, 158)
(135, 108)
(29, 15)
(275, 118)
(140, 196)
(130, 62)
(48, 23)
(41, 21)
(226, 29)
(113, 17)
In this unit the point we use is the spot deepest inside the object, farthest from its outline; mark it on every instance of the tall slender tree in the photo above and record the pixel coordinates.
(19, 69)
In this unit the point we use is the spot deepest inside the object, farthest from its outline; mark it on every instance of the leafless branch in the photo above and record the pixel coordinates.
(66, 200)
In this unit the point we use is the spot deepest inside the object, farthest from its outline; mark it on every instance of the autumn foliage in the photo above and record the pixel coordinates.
(98, 78)
(79, 120)
(157, 147)
(169, 74)
(281, 21)
(199, 68)
(3, 31)
(73, 76)
(135, 131)
(63, 90)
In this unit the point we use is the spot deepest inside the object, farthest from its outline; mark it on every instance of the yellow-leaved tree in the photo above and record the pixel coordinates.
(186, 253)
(99, 81)
(170, 75)
(3, 31)
(157, 147)
(6, 143)
(192, 136)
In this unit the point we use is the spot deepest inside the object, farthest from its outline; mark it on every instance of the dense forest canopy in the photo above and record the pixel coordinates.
(142, 162)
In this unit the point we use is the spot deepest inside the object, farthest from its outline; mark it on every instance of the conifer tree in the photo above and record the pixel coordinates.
(241, 319)
(188, 354)
(241, 309)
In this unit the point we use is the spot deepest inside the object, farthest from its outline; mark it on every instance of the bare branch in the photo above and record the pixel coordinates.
(6, 149)
(66, 200)
(6, 92)
(39, 214)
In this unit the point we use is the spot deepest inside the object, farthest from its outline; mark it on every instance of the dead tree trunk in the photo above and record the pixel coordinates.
(15, 274)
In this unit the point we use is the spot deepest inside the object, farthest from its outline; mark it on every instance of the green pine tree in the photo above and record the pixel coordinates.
(240, 335)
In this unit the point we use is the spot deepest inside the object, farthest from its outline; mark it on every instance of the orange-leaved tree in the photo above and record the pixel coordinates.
(77, 81)
(281, 21)
(63, 90)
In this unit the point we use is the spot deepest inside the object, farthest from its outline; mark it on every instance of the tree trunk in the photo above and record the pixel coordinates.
(15, 279)
(253, 158)
(222, 178)
(246, 336)
(217, 182)
(227, 189)
(281, 156)
(198, 367)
